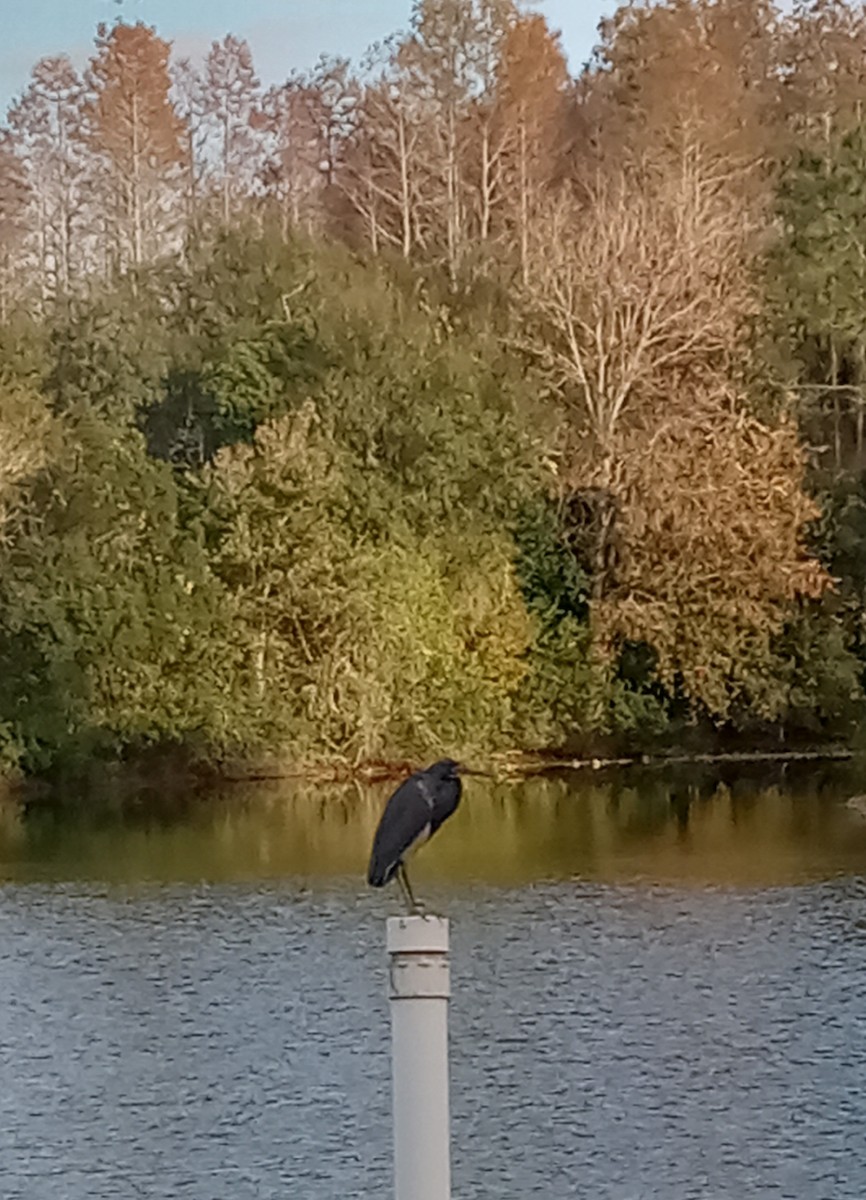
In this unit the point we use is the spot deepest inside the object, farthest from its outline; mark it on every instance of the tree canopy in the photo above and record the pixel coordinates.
(440, 401)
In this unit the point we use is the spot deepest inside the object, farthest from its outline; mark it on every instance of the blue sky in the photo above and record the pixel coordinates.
(283, 34)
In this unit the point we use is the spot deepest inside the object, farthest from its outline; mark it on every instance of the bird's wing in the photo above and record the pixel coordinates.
(445, 803)
(406, 818)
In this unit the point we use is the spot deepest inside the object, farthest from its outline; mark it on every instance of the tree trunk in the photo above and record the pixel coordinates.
(524, 198)
(486, 187)
(452, 199)
(834, 381)
(405, 195)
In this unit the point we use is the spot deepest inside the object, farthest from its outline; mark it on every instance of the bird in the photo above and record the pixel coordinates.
(412, 815)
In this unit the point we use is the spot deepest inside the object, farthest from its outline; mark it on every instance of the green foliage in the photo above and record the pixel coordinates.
(813, 671)
(110, 350)
(818, 266)
(305, 548)
(437, 421)
(829, 644)
(816, 290)
(553, 583)
(254, 380)
(372, 647)
(839, 537)
(111, 624)
(559, 695)
(570, 692)
(24, 355)
(439, 637)
(568, 689)
(281, 550)
(818, 675)
(272, 497)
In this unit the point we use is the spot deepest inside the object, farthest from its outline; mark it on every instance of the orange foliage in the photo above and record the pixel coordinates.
(824, 56)
(530, 114)
(710, 543)
(133, 119)
(636, 304)
(134, 127)
(689, 68)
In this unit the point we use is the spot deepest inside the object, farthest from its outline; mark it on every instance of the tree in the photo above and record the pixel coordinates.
(112, 628)
(639, 279)
(47, 122)
(291, 174)
(14, 197)
(712, 559)
(817, 285)
(641, 295)
(134, 128)
(25, 436)
(531, 119)
(231, 92)
(672, 74)
(824, 71)
(190, 102)
(451, 59)
(384, 178)
(332, 97)
(486, 138)
(374, 647)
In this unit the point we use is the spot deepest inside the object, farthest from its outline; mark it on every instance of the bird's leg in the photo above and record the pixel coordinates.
(403, 892)
(403, 876)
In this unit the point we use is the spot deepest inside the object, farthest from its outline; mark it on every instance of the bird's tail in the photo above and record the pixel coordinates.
(379, 873)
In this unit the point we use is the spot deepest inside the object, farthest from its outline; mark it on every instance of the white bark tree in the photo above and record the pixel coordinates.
(232, 96)
(46, 120)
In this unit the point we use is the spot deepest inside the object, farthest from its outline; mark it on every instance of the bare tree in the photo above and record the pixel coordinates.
(635, 279)
(333, 99)
(639, 288)
(385, 176)
(451, 59)
(47, 121)
(485, 137)
(190, 101)
(231, 93)
(290, 173)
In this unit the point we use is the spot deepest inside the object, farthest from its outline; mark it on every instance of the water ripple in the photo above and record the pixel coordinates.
(620, 1042)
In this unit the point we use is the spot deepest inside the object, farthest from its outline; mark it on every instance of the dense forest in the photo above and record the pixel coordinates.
(442, 400)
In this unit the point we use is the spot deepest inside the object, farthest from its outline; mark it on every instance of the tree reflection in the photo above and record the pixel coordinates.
(695, 827)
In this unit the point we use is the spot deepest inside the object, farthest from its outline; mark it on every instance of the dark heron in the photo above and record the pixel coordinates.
(412, 815)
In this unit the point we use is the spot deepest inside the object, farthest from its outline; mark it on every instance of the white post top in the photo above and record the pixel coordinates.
(417, 935)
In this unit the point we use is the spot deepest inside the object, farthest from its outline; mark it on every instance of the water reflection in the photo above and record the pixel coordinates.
(694, 828)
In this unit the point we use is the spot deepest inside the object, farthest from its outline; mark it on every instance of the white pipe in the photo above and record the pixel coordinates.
(420, 989)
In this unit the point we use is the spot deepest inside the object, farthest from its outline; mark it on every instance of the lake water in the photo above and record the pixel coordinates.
(659, 991)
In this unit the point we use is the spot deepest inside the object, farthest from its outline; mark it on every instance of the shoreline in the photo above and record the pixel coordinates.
(517, 765)
(168, 773)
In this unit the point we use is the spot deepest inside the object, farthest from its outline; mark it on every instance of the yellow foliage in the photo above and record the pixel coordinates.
(25, 425)
(439, 647)
(377, 647)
